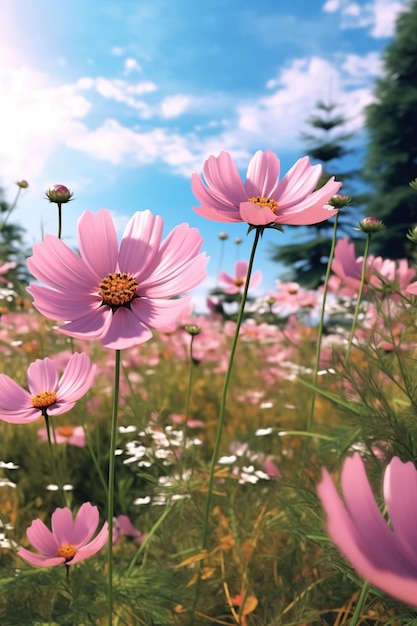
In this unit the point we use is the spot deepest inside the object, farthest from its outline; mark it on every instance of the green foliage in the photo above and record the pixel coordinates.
(392, 155)
(307, 259)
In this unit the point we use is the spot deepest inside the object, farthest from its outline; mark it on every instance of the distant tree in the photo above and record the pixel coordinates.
(327, 143)
(391, 122)
(12, 246)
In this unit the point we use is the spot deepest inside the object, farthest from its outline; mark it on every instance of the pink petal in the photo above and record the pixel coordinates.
(77, 378)
(217, 215)
(98, 243)
(400, 494)
(38, 559)
(90, 326)
(125, 329)
(140, 242)
(262, 175)
(42, 376)
(41, 538)
(55, 264)
(91, 548)
(255, 214)
(64, 306)
(62, 525)
(13, 397)
(298, 182)
(241, 270)
(227, 279)
(85, 524)
(160, 314)
(224, 180)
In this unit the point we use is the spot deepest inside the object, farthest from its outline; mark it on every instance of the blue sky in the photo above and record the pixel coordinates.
(123, 100)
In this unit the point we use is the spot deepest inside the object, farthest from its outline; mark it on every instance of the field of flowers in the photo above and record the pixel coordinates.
(162, 468)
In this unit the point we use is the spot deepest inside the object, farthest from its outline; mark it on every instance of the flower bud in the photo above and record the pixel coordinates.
(223, 236)
(413, 184)
(339, 201)
(23, 184)
(238, 240)
(412, 234)
(192, 329)
(371, 225)
(59, 194)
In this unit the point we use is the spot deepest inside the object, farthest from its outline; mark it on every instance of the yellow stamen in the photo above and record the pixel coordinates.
(67, 551)
(118, 289)
(238, 282)
(44, 399)
(263, 201)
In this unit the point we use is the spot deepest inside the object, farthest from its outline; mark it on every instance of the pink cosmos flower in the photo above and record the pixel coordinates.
(237, 282)
(48, 394)
(74, 435)
(69, 540)
(263, 200)
(387, 556)
(116, 295)
(123, 527)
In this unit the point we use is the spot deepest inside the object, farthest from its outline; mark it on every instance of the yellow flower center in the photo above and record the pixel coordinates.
(263, 201)
(238, 282)
(118, 290)
(67, 551)
(44, 399)
(65, 431)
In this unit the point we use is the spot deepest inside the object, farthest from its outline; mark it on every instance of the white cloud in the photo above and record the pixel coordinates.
(360, 68)
(131, 65)
(379, 15)
(173, 106)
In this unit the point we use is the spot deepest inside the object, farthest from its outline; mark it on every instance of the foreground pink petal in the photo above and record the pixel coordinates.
(386, 556)
(113, 295)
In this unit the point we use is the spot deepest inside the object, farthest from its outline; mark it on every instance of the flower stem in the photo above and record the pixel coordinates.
(55, 470)
(358, 302)
(361, 601)
(59, 220)
(321, 323)
(110, 491)
(11, 209)
(222, 409)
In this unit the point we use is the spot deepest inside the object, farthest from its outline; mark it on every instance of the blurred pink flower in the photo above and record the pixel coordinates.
(237, 282)
(69, 540)
(47, 393)
(386, 556)
(4, 269)
(123, 527)
(263, 200)
(74, 435)
(116, 295)
(379, 272)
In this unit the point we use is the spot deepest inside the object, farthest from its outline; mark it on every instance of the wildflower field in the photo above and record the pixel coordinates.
(254, 465)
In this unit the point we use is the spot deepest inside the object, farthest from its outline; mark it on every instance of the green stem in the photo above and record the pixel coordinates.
(147, 540)
(11, 209)
(55, 470)
(59, 220)
(222, 409)
(110, 492)
(358, 302)
(321, 323)
(360, 604)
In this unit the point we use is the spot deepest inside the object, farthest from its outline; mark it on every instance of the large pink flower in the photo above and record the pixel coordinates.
(385, 556)
(236, 283)
(112, 295)
(48, 394)
(263, 200)
(69, 540)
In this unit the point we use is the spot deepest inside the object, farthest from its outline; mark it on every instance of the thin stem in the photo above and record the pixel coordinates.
(187, 404)
(59, 220)
(361, 601)
(11, 209)
(55, 470)
(321, 323)
(222, 246)
(222, 409)
(358, 302)
(110, 492)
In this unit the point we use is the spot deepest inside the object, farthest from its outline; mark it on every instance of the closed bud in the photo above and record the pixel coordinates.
(59, 194)
(23, 184)
(238, 240)
(223, 236)
(371, 225)
(192, 329)
(413, 184)
(412, 234)
(339, 201)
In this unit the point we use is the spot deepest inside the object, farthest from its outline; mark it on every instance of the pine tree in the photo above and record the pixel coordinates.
(392, 152)
(12, 244)
(326, 143)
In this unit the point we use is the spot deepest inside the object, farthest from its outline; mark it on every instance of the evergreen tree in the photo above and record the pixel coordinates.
(12, 244)
(326, 143)
(392, 153)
